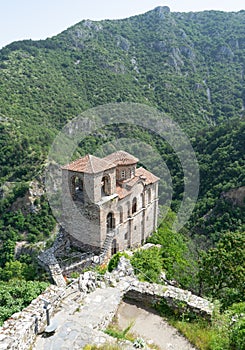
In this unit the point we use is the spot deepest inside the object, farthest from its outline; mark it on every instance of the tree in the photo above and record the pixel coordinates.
(222, 269)
(7, 252)
(12, 269)
(177, 253)
(147, 264)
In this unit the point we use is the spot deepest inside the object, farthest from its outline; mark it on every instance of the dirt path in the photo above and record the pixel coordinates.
(151, 327)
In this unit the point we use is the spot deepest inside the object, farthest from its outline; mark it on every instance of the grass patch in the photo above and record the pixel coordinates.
(214, 334)
(102, 347)
(115, 332)
(199, 333)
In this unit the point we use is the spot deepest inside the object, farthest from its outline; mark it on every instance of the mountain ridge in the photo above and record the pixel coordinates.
(190, 67)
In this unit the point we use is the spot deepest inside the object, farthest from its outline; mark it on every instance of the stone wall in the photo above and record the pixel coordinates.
(150, 293)
(20, 330)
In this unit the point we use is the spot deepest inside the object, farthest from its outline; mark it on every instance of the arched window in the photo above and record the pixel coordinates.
(129, 209)
(142, 200)
(123, 174)
(110, 222)
(132, 172)
(134, 205)
(105, 186)
(77, 188)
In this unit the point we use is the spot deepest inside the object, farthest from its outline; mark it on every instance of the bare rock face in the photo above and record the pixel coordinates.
(87, 282)
(225, 53)
(162, 10)
(123, 43)
(236, 196)
(28, 202)
(124, 268)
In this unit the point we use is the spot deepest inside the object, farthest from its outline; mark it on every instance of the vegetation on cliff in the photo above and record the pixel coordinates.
(189, 66)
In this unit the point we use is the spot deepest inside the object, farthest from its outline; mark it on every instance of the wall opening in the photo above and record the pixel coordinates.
(129, 209)
(110, 222)
(120, 215)
(106, 185)
(134, 205)
(114, 247)
(142, 200)
(123, 174)
(77, 188)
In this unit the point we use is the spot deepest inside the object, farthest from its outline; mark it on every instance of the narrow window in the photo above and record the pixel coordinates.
(149, 195)
(129, 212)
(123, 174)
(134, 206)
(120, 215)
(132, 172)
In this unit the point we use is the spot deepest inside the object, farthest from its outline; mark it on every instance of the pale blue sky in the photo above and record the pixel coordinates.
(39, 19)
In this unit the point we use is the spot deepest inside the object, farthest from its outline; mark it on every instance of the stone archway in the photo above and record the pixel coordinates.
(106, 185)
(134, 205)
(110, 222)
(77, 188)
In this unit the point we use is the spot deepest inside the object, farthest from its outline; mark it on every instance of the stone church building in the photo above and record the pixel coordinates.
(118, 202)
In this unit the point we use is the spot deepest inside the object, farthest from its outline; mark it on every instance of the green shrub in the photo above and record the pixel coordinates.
(147, 264)
(17, 294)
(115, 260)
(237, 322)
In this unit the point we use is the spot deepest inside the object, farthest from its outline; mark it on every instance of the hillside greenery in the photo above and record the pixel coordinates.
(189, 66)
(218, 274)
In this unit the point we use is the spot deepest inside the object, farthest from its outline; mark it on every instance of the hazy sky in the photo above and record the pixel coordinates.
(39, 19)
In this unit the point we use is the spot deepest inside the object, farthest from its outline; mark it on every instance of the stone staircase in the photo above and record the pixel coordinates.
(107, 244)
(57, 276)
(50, 263)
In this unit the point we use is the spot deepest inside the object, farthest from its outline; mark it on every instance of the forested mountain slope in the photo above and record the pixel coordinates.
(190, 66)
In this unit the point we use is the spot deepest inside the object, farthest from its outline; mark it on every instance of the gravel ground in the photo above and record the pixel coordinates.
(151, 327)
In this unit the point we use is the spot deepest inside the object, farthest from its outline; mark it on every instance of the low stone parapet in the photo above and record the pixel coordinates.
(20, 330)
(175, 298)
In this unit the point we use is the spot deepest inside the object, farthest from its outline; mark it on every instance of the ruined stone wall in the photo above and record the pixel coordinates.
(20, 330)
(83, 223)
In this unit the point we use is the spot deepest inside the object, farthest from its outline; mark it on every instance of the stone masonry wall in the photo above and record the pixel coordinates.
(20, 330)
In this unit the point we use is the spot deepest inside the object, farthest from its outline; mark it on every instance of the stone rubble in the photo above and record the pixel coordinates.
(86, 307)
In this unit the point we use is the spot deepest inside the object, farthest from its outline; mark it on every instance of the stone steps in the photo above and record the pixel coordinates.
(107, 245)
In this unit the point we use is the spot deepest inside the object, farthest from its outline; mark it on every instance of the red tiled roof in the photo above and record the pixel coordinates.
(146, 176)
(121, 158)
(124, 188)
(89, 164)
(122, 192)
